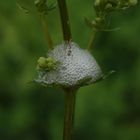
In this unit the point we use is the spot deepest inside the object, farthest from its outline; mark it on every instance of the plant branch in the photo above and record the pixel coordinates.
(64, 20)
(70, 97)
(91, 39)
(47, 34)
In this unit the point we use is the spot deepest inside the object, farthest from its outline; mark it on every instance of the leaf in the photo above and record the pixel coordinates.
(52, 6)
(110, 30)
(22, 8)
(108, 74)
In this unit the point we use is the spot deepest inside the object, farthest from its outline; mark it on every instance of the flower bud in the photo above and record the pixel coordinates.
(97, 2)
(98, 20)
(46, 64)
(42, 62)
(133, 2)
(108, 7)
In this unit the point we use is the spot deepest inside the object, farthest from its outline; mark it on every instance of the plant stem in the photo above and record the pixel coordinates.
(47, 34)
(65, 20)
(70, 97)
(91, 39)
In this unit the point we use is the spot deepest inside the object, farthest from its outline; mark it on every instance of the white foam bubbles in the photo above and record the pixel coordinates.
(75, 66)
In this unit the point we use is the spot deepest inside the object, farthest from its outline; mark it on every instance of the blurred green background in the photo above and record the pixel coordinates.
(109, 110)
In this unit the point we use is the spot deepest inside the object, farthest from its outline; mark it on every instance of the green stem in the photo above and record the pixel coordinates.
(91, 40)
(47, 34)
(70, 97)
(65, 20)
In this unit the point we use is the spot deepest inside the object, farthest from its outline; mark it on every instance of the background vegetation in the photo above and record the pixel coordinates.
(109, 110)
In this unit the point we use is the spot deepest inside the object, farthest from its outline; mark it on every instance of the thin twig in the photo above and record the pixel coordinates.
(47, 34)
(91, 39)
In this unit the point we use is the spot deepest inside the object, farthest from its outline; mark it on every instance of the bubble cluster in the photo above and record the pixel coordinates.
(76, 67)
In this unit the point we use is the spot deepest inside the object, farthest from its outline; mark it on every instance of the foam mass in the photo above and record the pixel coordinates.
(76, 67)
